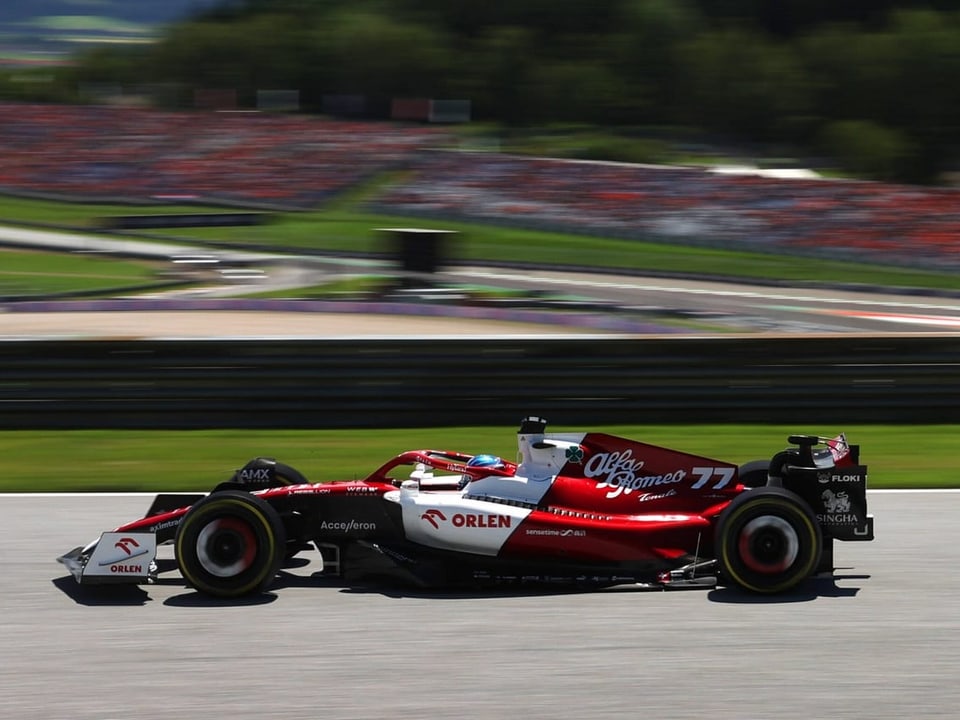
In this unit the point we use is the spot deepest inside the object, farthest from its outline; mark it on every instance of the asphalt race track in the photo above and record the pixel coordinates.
(882, 641)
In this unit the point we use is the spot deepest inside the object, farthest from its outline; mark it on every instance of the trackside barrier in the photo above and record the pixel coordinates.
(430, 382)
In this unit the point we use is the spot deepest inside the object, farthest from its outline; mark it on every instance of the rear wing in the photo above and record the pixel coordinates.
(825, 452)
(832, 481)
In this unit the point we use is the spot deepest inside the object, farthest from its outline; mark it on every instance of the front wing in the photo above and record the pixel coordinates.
(115, 557)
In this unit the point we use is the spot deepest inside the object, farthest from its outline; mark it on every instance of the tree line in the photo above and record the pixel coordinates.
(874, 84)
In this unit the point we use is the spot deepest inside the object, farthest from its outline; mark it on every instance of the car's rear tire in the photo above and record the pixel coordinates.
(230, 544)
(754, 473)
(767, 541)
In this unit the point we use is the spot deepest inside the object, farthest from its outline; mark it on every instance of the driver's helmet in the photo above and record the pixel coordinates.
(482, 460)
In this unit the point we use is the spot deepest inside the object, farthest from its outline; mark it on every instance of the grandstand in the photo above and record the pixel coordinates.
(297, 161)
(105, 153)
(782, 213)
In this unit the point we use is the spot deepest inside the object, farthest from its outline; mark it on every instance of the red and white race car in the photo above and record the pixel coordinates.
(577, 509)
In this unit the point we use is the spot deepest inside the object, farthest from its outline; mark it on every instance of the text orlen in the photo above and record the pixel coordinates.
(467, 520)
(127, 569)
(481, 520)
(620, 472)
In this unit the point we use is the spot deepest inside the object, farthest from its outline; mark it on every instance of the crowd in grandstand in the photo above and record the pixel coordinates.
(114, 152)
(890, 223)
(296, 160)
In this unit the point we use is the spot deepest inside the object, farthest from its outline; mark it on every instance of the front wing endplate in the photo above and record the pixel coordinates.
(115, 558)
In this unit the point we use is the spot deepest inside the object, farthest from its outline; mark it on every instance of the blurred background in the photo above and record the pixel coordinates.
(796, 129)
(860, 87)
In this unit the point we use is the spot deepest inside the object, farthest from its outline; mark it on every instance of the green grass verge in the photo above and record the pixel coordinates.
(34, 273)
(354, 232)
(86, 461)
(344, 227)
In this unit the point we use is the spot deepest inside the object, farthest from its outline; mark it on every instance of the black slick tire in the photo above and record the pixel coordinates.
(767, 541)
(230, 544)
(289, 475)
(754, 473)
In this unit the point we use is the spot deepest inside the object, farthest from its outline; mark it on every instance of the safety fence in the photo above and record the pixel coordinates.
(373, 383)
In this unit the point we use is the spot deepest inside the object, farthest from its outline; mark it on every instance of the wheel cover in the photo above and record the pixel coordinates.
(768, 544)
(226, 547)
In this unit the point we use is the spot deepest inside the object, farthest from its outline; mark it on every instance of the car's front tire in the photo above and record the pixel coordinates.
(290, 475)
(230, 544)
(768, 541)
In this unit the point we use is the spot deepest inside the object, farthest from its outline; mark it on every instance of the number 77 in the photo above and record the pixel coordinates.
(723, 474)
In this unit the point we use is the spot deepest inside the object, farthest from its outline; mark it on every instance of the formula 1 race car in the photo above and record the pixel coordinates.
(583, 510)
